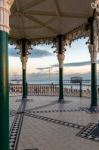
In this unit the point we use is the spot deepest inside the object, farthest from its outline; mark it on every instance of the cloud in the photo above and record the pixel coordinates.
(12, 52)
(35, 53)
(78, 64)
(45, 68)
(74, 64)
(43, 77)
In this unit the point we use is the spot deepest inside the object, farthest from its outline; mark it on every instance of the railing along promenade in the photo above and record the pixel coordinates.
(82, 89)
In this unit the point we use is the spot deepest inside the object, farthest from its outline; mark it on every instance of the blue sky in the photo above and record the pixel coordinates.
(43, 61)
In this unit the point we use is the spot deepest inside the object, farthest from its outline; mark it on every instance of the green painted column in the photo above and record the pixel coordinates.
(61, 59)
(4, 84)
(24, 83)
(80, 88)
(93, 85)
(24, 57)
(93, 53)
(61, 93)
(4, 92)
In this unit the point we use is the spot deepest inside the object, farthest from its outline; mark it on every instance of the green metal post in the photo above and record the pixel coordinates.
(26, 89)
(24, 68)
(24, 83)
(61, 94)
(4, 92)
(93, 66)
(60, 53)
(93, 85)
(80, 88)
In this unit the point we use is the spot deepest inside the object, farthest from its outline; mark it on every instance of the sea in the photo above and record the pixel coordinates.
(86, 81)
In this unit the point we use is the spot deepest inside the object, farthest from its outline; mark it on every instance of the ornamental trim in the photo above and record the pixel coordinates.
(68, 38)
(77, 33)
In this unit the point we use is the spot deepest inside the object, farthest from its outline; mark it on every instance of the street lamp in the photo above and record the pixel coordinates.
(50, 73)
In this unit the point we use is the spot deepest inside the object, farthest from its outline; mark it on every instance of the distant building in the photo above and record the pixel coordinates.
(76, 79)
(16, 81)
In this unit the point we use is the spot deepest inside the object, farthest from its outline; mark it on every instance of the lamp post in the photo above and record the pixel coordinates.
(50, 68)
(49, 75)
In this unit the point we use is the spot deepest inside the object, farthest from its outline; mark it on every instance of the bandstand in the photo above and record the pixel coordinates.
(33, 22)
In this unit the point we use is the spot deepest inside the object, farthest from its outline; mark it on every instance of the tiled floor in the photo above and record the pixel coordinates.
(44, 124)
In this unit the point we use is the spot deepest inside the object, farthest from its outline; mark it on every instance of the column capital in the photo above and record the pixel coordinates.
(24, 60)
(61, 58)
(5, 6)
(93, 53)
(7, 3)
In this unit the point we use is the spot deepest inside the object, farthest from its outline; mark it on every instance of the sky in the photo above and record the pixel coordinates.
(42, 64)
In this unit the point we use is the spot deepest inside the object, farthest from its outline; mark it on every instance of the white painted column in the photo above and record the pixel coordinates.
(61, 58)
(5, 6)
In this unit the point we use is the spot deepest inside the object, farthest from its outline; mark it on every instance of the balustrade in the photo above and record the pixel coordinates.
(53, 90)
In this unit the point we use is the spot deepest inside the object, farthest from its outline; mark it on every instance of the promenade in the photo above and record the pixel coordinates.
(41, 123)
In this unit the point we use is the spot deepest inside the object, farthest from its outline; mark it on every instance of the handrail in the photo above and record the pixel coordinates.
(70, 89)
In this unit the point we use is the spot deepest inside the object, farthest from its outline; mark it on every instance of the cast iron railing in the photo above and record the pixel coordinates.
(70, 89)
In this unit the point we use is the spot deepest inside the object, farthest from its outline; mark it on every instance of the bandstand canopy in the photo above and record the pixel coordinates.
(36, 19)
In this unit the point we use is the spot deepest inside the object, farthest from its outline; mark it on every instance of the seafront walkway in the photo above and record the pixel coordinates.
(41, 123)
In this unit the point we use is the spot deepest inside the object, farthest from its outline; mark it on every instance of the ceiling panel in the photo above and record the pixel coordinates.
(44, 18)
